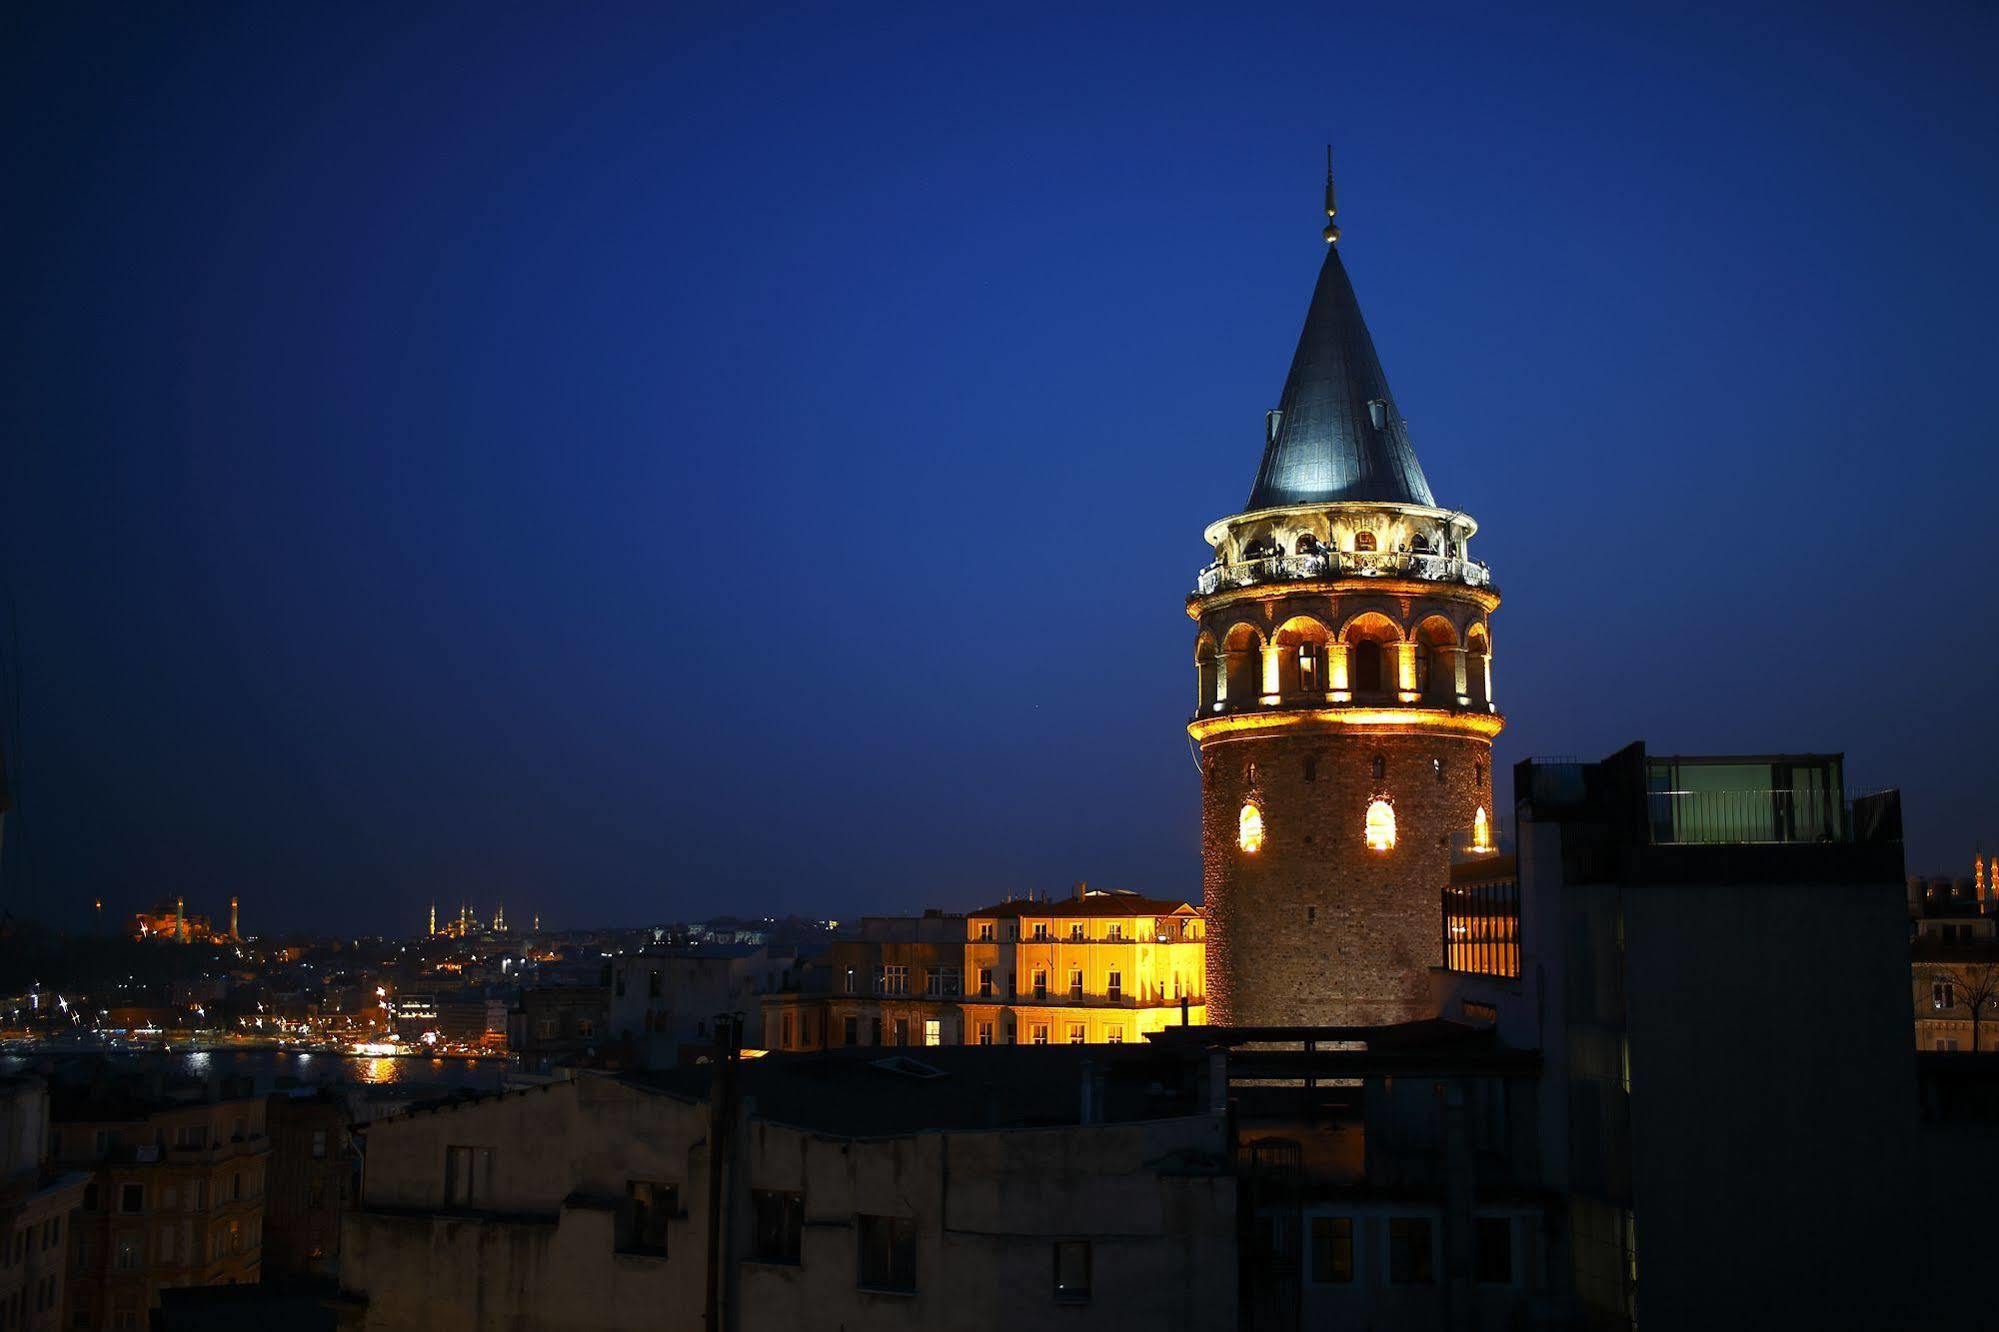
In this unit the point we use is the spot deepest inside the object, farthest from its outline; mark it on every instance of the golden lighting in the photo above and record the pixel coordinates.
(1481, 831)
(1249, 828)
(1380, 825)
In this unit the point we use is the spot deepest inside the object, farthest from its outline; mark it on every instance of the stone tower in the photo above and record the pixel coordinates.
(1344, 711)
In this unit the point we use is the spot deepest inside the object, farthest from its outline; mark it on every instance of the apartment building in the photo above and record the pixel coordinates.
(1091, 969)
(175, 1194)
(37, 1204)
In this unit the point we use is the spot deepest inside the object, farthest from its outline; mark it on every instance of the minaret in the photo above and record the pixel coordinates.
(433, 916)
(1344, 710)
(232, 920)
(180, 920)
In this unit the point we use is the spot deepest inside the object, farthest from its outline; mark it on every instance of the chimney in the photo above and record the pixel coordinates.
(1082, 889)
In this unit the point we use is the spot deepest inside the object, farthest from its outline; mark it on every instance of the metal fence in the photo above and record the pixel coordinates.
(1482, 928)
(1743, 817)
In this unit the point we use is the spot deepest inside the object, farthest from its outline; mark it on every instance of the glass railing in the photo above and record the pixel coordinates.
(1749, 817)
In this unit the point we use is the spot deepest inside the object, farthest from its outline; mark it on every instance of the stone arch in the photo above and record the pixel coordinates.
(1207, 673)
(1301, 656)
(1439, 662)
(1241, 677)
(1372, 641)
(1478, 665)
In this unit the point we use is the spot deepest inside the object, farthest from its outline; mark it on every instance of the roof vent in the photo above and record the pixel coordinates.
(1377, 412)
(1273, 421)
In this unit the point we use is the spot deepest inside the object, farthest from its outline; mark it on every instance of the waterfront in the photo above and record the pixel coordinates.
(272, 1070)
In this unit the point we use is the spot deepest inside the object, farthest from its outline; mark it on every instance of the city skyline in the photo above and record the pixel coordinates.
(601, 488)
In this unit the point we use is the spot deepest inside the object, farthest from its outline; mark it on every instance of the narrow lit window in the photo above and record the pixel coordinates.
(1437, 766)
(1041, 1033)
(1077, 1033)
(1249, 828)
(1380, 829)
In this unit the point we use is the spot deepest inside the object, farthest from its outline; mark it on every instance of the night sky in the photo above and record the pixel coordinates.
(639, 464)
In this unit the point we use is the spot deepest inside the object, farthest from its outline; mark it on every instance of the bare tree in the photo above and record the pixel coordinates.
(1975, 986)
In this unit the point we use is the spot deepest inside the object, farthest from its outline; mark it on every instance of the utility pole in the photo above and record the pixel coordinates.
(721, 1132)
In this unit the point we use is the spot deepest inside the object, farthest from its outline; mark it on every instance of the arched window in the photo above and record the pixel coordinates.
(1308, 544)
(1249, 828)
(1380, 832)
(1380, 766)
(1363, 541)
(1249, 774)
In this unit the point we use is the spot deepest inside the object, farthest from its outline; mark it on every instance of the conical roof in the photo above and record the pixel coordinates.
(1336, 434)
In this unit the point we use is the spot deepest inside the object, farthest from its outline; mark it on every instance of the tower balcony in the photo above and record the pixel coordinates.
(1222, 576)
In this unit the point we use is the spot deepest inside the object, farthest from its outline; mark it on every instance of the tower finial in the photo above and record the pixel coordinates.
(1332, 232)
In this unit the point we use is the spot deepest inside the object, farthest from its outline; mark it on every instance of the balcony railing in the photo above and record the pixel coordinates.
(1682, 818)
(1482, 928)
(1219, 577)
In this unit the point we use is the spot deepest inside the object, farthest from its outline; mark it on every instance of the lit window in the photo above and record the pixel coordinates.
(1481, 831)
(1249, 828)
(1078, 1033)
(1380, 826)
(1363, 541)
(1041, 1033)
(1115, 1036)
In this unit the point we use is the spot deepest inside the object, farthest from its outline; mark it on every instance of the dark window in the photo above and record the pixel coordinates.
(652, 985)
(468, 1175)
(648, 1207)
(851, 1031)
(1379, 767)
(1366, 667)
(1409, 1251)
(1478, 773)
(780, 1216)
(1114, 991)
(1495, 1250)
(888, 1252)
(1332, 1248)
(131, 1197)
(1072, 1271)
(1311, 768)
(90, 1198)
(902, 1031)
(874, 1031)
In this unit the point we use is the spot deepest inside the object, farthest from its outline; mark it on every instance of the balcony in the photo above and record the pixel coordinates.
(1219, 577)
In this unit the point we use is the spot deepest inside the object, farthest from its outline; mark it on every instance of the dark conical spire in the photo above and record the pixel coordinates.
(1336, 434)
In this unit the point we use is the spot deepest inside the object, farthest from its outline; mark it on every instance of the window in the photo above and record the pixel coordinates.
(1114, 991)
(1311, 767)
(1332, 1248)
(941, 982)
(985, 982)
(874, 1031)
(933, 1031)
(1075, 983)
(319, 1142)
(1076, 932)
(1493, 1260)
(887, 1247)
(1072, 1271)
(648, 1207)
(1115, 933)
(1078, 1033)
(779, 1218)
(130, 1253)
(1041, 929)
(985, 931)
(468, 1176)
(131, 1197)
(1115, 1036)
(1409, 1250)
(895, 979)
(1437, 766)
(985, 1033)
(850, 980)
(850, 1031)
(1943, 994)
(1379, 767)
(585, 1028)
(786, 1037)
(191, 1136)
(1363, 541)
(236, 1187)
(1040, 984)
(1041, 1033)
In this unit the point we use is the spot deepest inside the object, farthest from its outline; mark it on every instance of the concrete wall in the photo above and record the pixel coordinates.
(989, 1207)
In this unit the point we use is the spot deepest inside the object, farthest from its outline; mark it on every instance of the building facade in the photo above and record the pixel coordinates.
(38, 1202)
(175, 1198)
(952, 1189)
(1343, 706)
(1094, 968)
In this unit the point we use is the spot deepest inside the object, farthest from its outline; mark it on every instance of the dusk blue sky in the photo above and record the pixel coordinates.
(646, 462)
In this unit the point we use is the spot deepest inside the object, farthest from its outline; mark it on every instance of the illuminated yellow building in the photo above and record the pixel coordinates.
(1095, 968)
